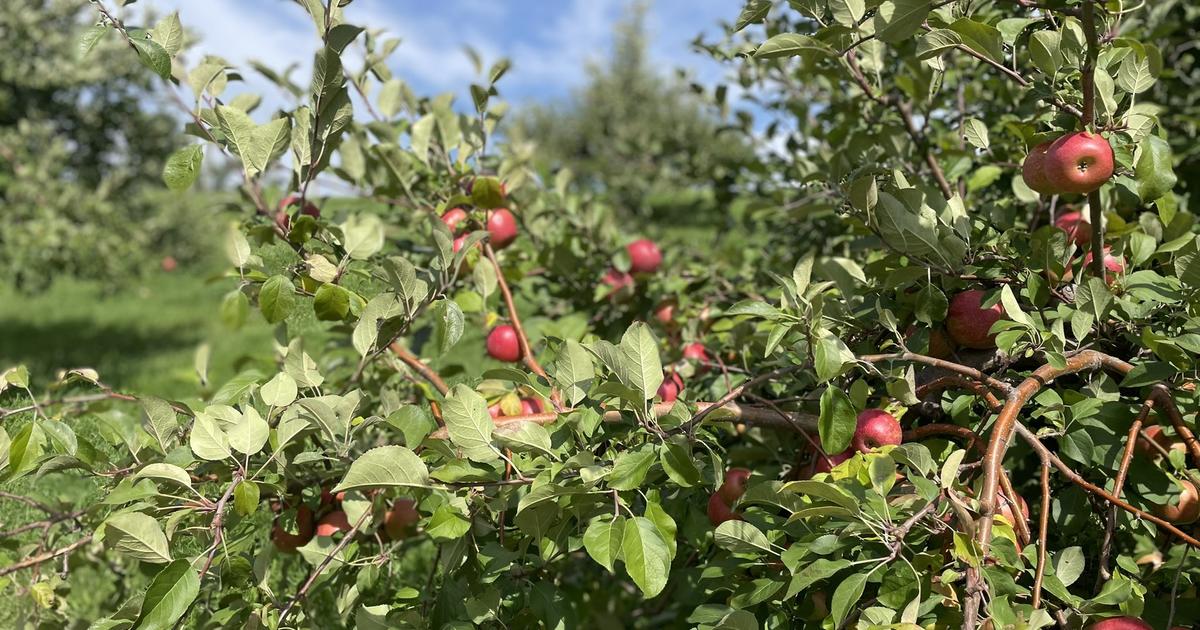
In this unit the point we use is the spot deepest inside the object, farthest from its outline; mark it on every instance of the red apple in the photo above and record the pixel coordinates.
(1079, 162)
(644, 256)
(1186, 510)
(1033, 171)
(503, 345)
(495, 411)
(502, 227)
(968, 322)
(875, 428)
(401, 520)
(1121, 623)
(530, 406)
(1006, 508)
(452, 218)
(1076, 227)
(459, 242)
(665, 312)
(735, 485)
(1158, 436)
(617, 279)
(333, 523)
(1115, 265)
(288, 542)
(671, 386)
(719, 511)
(169, 264)
(309, 208)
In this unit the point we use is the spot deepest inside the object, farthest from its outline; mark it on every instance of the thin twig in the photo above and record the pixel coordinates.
(312, 578)
(50, 555)
(1043, 531)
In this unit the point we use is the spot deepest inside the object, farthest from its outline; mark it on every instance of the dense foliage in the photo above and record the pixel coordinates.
(518, 414)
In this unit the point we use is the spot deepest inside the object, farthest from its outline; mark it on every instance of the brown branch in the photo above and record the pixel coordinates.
(420, 367)
(1088, 79)
(1110, 524)
(730, 411)
(916, 434)
(218, 525)
(50, 555)
(312, 577)
(732, 395)
(941, 384)
(1043, 531)
(922, 142)
(526, 353)
(1048, 456)
(964, 370)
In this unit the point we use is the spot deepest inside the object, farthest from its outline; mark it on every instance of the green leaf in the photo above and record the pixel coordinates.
(1044, 49)
(280, 391)
(153, 56)
(245, 498)
(631, 467)
(386, 467)
(420, 134)
(975, 133)
(792, 45)
(830, 357)
(255, 144)
(469, 425)
(981, 38)
(848, 12)
(486, 193)
(331, 303)
(1069, 564)
(363, 236)
(646, 558)
(754, 11)
(451, 324)
(898, 20)
(161, 421)
(164, 471)
(250, 434)
(448, 523)
(170, 594)
(169, 34)
(639, 356)
(676, 458)
(91, 37)
(276, 298)
(138, 536)
(837, 421)
(1153, 170)
(574, 371)
(1134, 75)
(524, 437)
(846, 596)
(741, 537)
(603, 538)
(207, 439)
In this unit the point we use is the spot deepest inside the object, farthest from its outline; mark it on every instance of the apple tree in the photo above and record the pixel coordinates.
(971, 404)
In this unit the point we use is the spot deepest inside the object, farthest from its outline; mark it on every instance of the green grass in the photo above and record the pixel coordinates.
(141, 337)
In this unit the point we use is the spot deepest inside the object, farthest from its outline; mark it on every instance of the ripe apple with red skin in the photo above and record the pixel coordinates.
(876, 428)
(1076, 226)
(1121, 623)
(644, 256)
(1186, 510)
(309, 207)
(530, 406)
(617, 279)
(735, 485)
(502, 227)
(1079, 162)
(665, 312)
(503, 345)
(1006, 508)
(333, 523)
(1114, 265)
(288, 542)
(968, 322)
(1033, 170)
(401, 520)
(719, 511)
(495, 411)
(453, 218)
(169, 264)
(671, 386)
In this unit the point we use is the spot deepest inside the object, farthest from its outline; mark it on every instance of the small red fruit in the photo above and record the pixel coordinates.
(401, 520)
(671, 386)
(502, 227)
(735, 485)
(1006, 508)
(288, 542)
(309, 208)
(530, 406)
(1076, 227)
(719, 511)
(333, 523)
(644, 256)
(1186, 510)
(665, 312)
(968, 322)
(617, 279)
(453, 217)
(876, 428)
(503, 345)
(1121, 623)
(1079, 162)
(169, 264)
(1033, 170)
(1114, 265)
(495, 411)
(459, 242)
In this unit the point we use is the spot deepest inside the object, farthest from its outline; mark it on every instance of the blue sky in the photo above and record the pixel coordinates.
(549, 41)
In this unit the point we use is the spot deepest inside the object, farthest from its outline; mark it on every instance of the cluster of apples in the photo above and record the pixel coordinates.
(720, 504)
(529, 406)
(399, 522)
(644, 258)
(672, 383)
(1078, 162)
(501, 227)
(874, 428)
